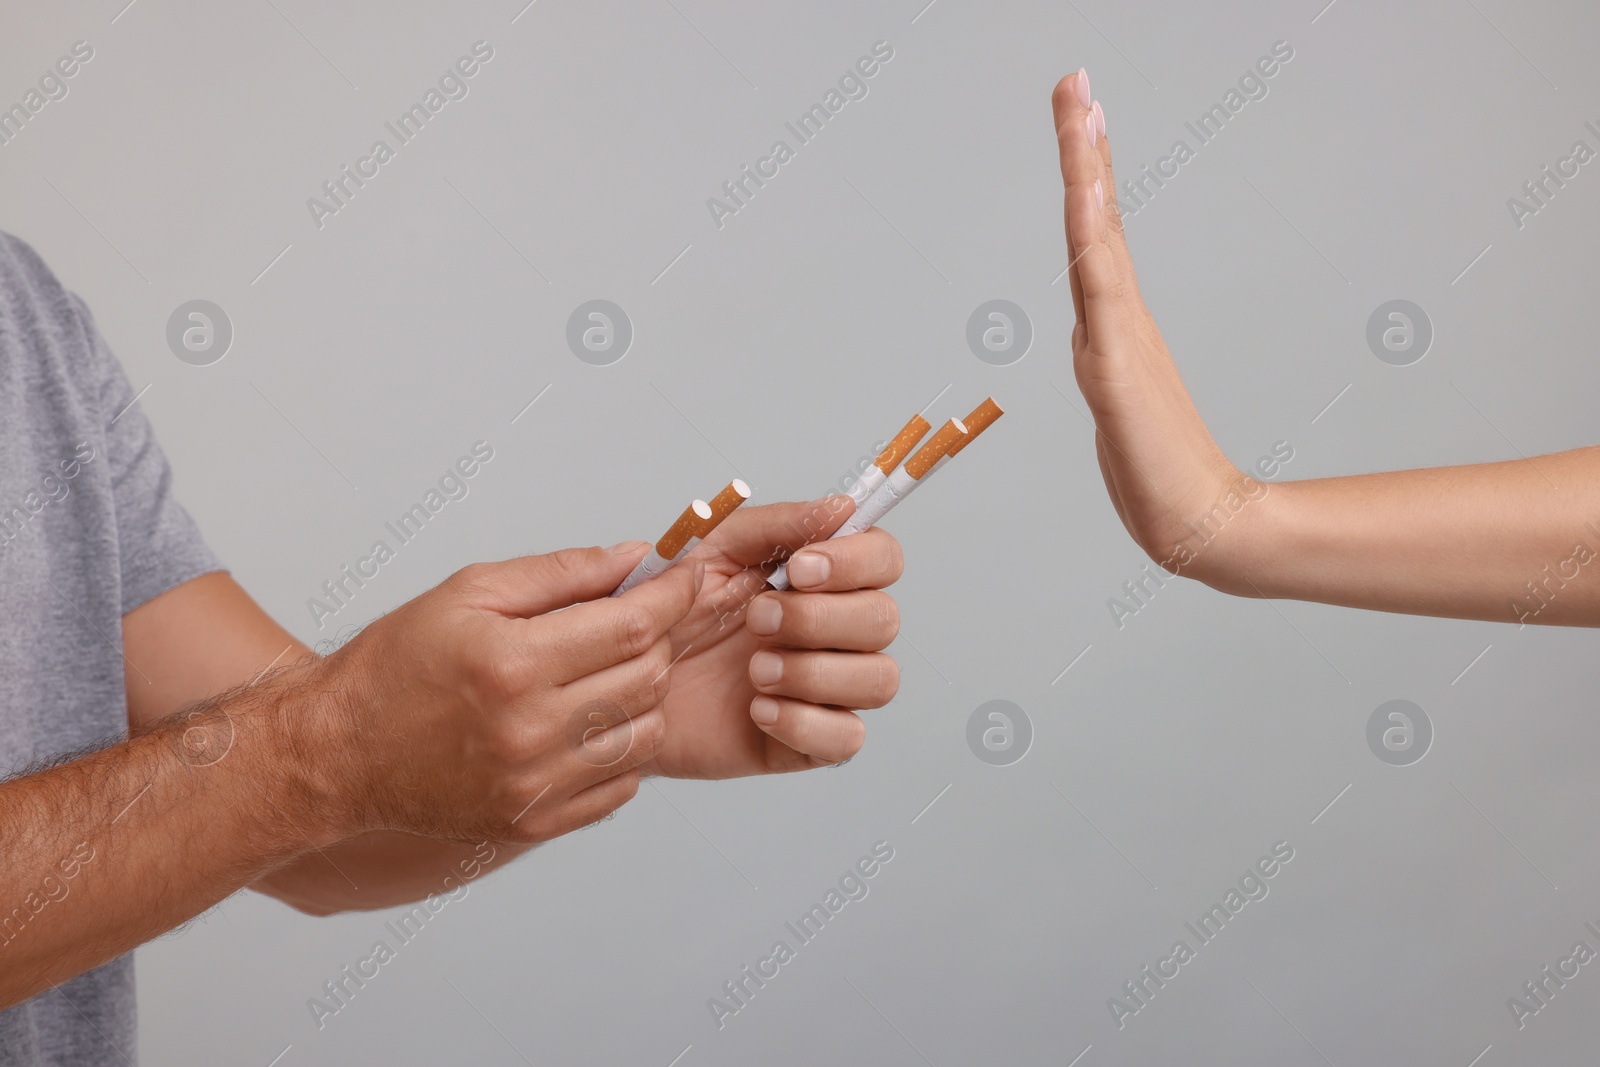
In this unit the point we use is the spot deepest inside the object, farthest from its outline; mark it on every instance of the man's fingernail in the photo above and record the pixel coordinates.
(1090, 126)
(764, 710)
(1083, 87)
(766, 668)
(1099, 118)
(699, 574)
(766, 614)
(622, 548)
(809, 568)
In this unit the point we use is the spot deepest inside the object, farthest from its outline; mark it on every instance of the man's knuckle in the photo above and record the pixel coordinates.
(648, 733)
(629, 782)
(636, 632)
(500, 673)
(657, 666)
(474, 576)
(569, 564)
(814, 614)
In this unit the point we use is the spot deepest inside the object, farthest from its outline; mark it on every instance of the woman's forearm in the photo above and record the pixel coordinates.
(1505, 542)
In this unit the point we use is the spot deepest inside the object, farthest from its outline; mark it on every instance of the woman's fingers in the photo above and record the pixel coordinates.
(1084, 155)
(1097, 269)
(1116, 237)
(1074, 87)
(816, 735)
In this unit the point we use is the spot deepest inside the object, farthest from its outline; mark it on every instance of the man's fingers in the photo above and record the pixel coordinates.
(770, 532)
(548, 819)
(867, 560)
(533, 585)
(593, 636)
(845, 679)
(616, 693)
(816, 734)
(605, 753)
(864, 621)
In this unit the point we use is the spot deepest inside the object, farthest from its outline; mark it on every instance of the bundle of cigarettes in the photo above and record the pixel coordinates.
(887, 481)
(884, 484)
(693, 526)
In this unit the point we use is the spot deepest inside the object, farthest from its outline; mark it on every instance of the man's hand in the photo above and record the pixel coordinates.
(764, 681)
(512, 703)
(468, 714)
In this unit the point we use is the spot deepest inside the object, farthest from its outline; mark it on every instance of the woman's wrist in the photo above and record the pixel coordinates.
(1237, 546)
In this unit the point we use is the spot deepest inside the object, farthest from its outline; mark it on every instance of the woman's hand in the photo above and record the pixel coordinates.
(1513, 541)
(1165, 474)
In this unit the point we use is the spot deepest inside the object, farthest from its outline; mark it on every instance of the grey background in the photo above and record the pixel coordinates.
(1171, 755)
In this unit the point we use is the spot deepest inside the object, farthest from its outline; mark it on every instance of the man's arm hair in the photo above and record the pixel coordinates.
(107, 850)
(377, 869)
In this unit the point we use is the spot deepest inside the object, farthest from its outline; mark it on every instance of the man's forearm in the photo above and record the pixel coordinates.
(107, 851)
(1504, 542)
(381, 869)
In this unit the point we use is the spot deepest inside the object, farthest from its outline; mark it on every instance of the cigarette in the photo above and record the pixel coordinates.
(722, 505)
(665, 551)
(978, 420)
(878, 470)
(895, 488)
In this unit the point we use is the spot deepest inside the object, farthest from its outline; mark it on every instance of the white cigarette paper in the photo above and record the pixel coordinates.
(898, 448)
(665, 552)
(893, 490)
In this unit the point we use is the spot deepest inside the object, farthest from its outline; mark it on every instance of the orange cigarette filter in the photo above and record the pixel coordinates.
(724, 504)
(903, 443)
(944, 439)
(678, 534)
(982, 417)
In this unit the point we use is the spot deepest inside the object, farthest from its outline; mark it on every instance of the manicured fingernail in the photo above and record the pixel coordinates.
(764, 710)
(1091, 128)
(1099, 198)
(622, 548)
(1083, 87)
(1099, 118)
(766, 668)
(809, 568)
(766, 614)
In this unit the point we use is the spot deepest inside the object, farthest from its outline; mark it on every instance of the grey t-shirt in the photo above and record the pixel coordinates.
(89, 530)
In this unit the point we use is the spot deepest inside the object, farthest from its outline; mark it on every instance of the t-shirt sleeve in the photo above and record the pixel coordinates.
(158, 543)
